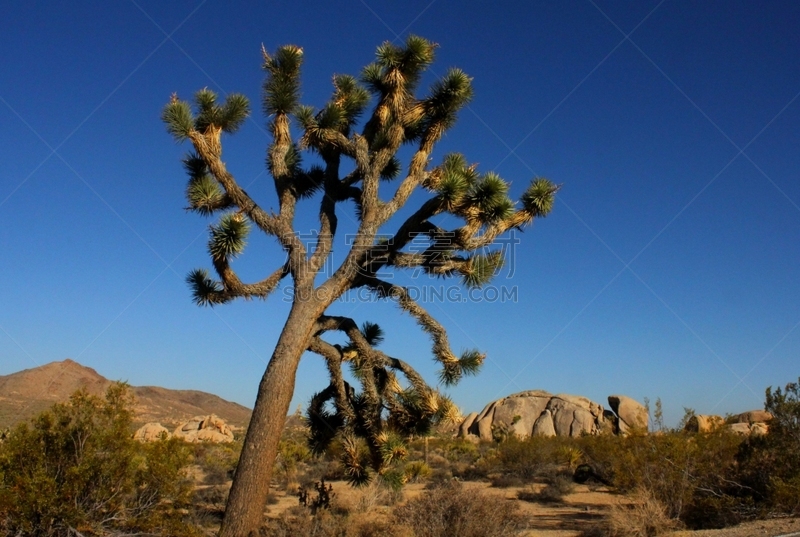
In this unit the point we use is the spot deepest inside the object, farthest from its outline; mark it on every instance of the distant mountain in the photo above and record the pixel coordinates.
(26, 393)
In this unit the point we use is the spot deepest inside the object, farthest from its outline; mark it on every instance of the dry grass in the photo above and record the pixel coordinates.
(643, 516)
(454, 510)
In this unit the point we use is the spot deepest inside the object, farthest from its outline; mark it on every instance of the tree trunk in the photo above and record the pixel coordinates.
(244, 512)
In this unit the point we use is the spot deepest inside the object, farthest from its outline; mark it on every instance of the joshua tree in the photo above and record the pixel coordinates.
(394, 399)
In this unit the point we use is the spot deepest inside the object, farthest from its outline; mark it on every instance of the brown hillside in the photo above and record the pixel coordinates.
(26, 393)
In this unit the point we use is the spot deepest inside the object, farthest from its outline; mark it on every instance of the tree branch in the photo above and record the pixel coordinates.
(441, 345)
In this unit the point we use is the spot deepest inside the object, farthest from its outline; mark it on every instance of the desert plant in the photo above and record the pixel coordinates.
(641, 515)
(770, 464)
(76, 467)
(452, 509)
(218, 461)
(353, 167)
(416, 471)
(677, 470)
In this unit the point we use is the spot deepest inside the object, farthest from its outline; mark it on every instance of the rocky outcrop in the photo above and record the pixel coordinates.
(703, 423)
(536, 412)
(753, 422)
(151, 432)
(540, 413)
(632, 415)
(753, 416)
(205, 429)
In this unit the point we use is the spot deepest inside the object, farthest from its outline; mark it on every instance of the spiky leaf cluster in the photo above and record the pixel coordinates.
(282, 86)
(448, 96)
(205, 291)
(228, 236)
(469, 363)
(480, 269)
(539, 197)
(228, 117)
(203, 192)
(398, 66)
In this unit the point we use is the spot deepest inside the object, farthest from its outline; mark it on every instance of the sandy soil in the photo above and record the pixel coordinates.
(580, 511)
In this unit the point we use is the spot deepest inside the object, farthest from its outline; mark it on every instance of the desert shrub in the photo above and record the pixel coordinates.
(291, 453)
(437, 477)
(76, 467)
(452, 509)
(297, 522)
(218, 461)
(554, 491)
(537, 456)
(461, 450)
(644, 516)
(378, 492)
(416, 471)
(770, 464)
(686, 474)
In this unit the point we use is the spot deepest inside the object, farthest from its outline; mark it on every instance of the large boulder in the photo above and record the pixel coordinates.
(753, 416)
(210, 428)
(536, 412)
(632, 415)
(703, 423)
(753, 422)
(150, 432)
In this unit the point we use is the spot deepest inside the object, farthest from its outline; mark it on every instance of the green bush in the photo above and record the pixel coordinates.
(218, 461)
(770, 464)
(76, 467)
(676, 469)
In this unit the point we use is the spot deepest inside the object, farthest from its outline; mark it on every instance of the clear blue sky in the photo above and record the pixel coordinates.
(668, 268)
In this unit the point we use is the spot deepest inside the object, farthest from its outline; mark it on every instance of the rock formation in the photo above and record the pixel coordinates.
(205, 429)
(747, 423)
(753, 422)
(538, 413)
(151, 432)
(631, 414)
(704, 423)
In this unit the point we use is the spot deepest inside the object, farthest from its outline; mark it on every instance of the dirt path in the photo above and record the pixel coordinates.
(575, 516)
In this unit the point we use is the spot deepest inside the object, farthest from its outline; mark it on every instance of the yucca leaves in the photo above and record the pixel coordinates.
(195, 166)
(392, 447)
(323, 426)
(398, 67)
(234, 112)
(489, 192)
(372, 333)
(228, 117)
(177, 115)
(448, 95)
(228, 236)
(204, 289)
(538, 199)
(204, 195)
(469, 364)
(350, 97)
(282, 86)
(391, 170)
(481, 268)
(355, 459)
